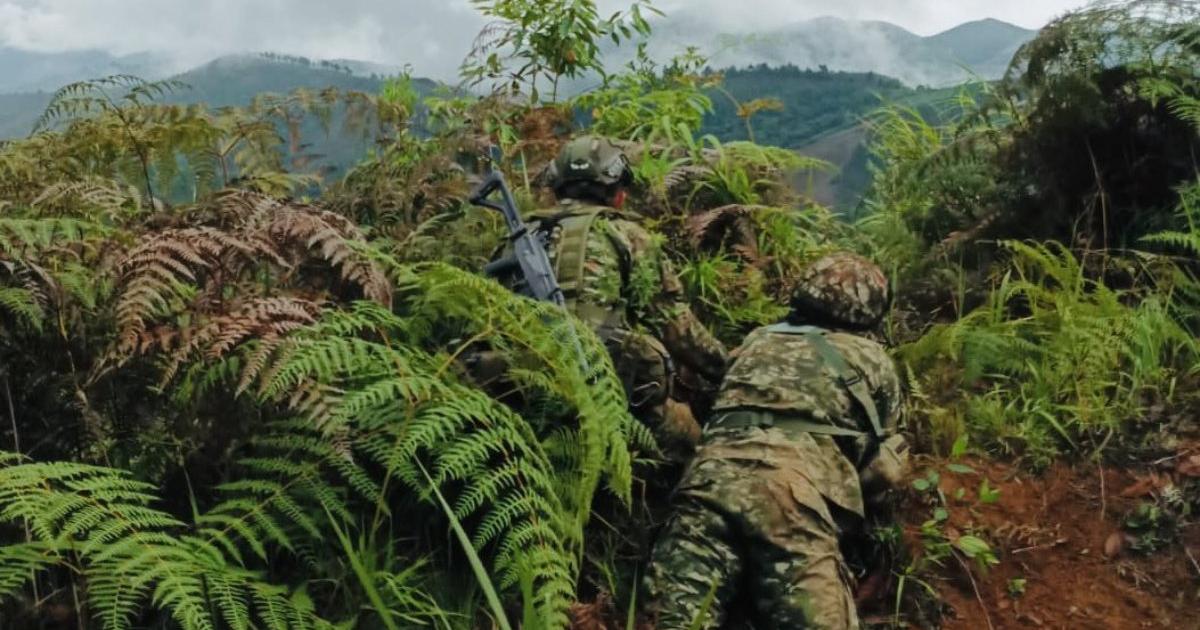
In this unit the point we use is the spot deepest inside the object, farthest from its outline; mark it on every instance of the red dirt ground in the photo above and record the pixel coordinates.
(1061, 532)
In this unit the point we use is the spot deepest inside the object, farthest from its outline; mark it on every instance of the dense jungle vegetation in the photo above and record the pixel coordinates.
(232, 390)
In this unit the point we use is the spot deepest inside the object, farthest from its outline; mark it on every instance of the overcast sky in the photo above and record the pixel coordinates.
(431, 35)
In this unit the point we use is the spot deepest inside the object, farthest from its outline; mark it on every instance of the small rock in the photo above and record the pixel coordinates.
(1114, 545)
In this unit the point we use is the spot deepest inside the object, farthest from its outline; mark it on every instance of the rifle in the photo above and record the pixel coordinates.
(529, 252)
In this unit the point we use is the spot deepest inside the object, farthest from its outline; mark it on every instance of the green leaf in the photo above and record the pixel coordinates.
(960, 469)
(973, 546)
(960, 446)
(987, 494)
(481, 573)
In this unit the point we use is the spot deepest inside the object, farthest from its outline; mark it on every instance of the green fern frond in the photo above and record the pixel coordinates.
(131, 554)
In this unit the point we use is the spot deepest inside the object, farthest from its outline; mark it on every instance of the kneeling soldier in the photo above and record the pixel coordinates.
(802, 431)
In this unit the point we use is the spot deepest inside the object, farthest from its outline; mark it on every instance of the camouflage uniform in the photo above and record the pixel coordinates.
(616, 278)
(776, 480)
(627, 291)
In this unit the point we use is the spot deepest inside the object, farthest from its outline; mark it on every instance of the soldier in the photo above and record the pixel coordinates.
(616, 279)
(802, 431)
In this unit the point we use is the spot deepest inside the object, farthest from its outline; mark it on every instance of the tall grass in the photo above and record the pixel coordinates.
(1055, 361)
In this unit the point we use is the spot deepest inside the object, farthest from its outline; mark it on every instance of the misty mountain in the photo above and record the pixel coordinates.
(987, 46)
(232, 80)
(29, 71)
(235, 79)
(981, 48)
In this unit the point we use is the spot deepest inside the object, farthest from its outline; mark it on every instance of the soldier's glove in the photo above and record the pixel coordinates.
(886, 472)
(679, 433)
(485, 367)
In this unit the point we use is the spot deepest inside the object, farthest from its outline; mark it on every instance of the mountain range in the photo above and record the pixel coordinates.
(828, 72)
(231, 80)
(980, 49)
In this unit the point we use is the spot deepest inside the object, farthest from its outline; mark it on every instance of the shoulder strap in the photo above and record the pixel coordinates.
(572, 252)
(849, 379)
(790, 329)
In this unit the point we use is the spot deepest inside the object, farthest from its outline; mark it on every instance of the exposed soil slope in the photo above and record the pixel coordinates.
(1061, 532)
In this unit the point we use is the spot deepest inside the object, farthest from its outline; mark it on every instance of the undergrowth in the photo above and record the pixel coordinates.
(239, 396)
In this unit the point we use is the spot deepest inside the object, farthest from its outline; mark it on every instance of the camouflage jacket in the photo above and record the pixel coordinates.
(786, 376)
(627, 282)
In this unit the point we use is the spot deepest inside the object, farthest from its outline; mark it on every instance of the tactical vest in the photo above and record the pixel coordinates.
(576, 225)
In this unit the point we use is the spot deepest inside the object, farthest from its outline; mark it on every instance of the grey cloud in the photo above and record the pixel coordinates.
(431, 35)
(924, 17)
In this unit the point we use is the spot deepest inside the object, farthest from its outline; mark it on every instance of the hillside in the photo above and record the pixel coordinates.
(823, 117)
(235, 80)
(814, 102)
(19, 112)
(986, 46)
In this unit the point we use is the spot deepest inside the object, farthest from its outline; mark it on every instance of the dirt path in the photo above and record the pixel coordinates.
(1061, 533)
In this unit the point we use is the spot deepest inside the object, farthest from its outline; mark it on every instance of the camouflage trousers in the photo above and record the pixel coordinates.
(753, 524)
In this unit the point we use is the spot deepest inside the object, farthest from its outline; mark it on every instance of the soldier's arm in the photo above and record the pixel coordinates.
(657, 296)
(893, 392)
(687, 339)
(889, 468)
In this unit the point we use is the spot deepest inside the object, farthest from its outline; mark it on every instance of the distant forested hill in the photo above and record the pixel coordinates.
(822, 117)
(815, 102)
(35, 71)
(974, 49)
(232, 80)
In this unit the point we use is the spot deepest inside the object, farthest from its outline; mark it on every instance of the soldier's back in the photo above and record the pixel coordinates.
(786, 373)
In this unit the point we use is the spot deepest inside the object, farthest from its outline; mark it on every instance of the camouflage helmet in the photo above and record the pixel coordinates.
(842, 289)
(590, 159)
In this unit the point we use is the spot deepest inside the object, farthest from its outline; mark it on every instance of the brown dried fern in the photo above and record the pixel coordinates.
(156, 273)
(266, 320)
(728, 226)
